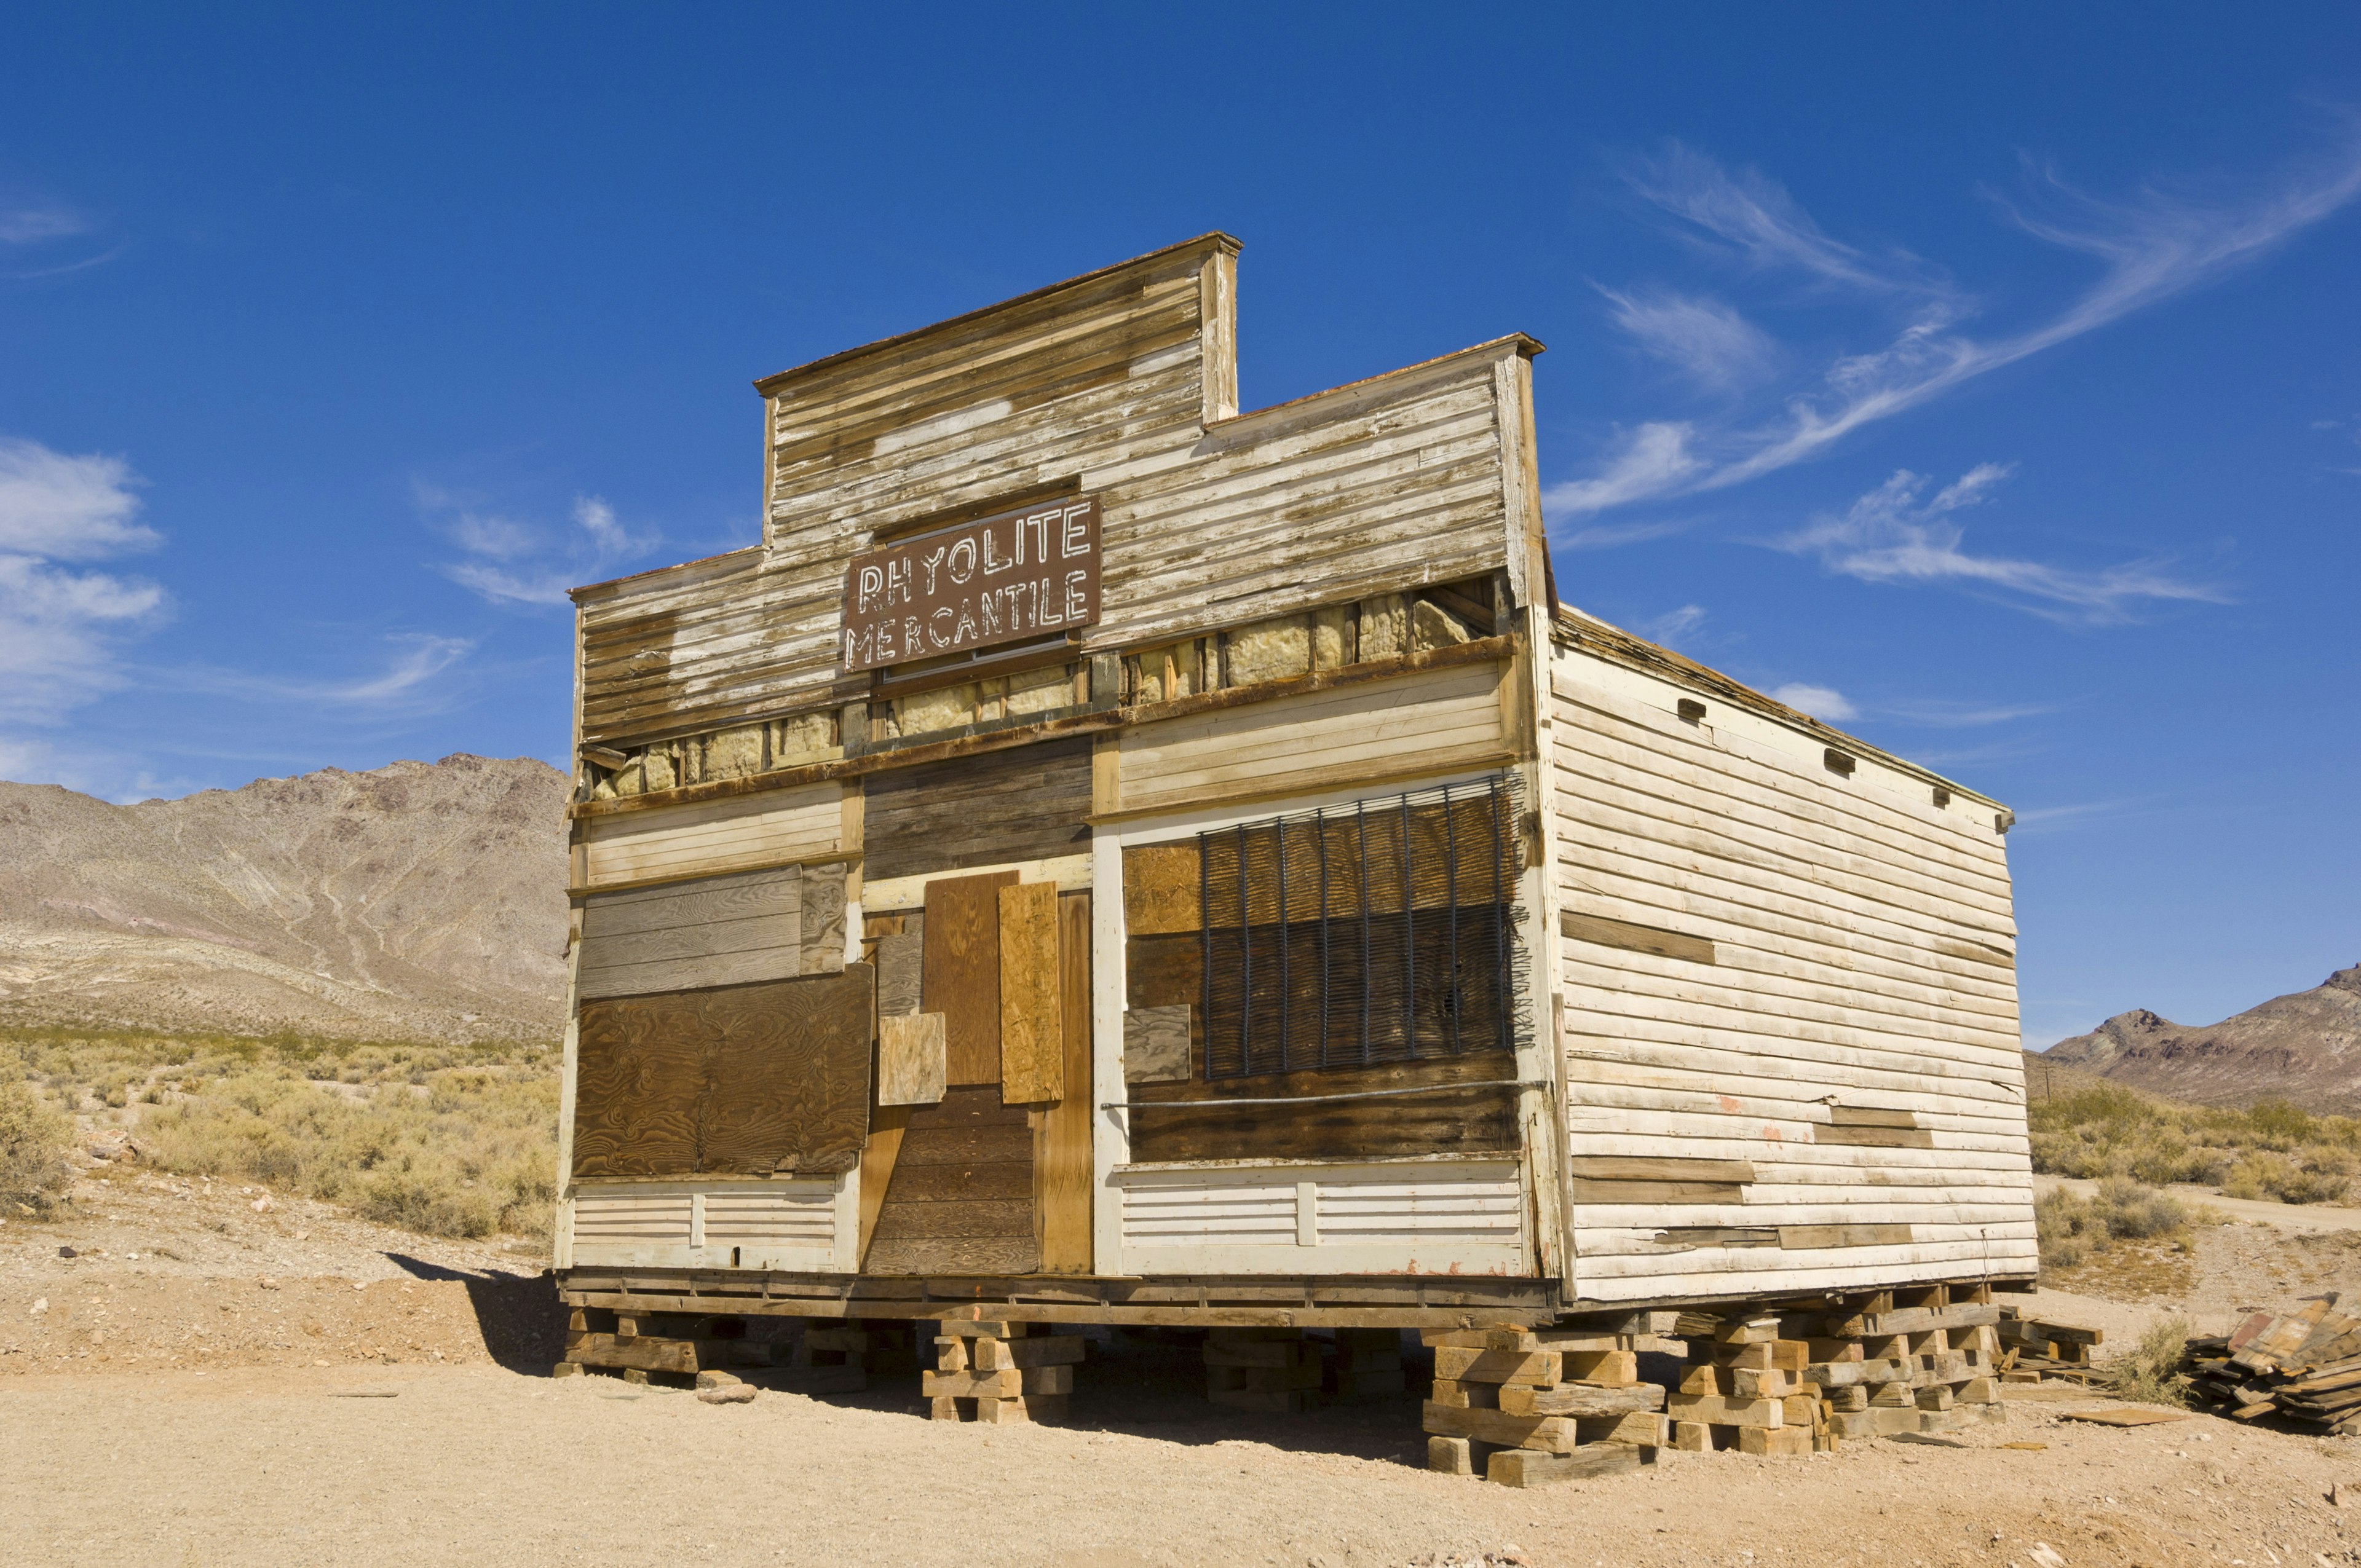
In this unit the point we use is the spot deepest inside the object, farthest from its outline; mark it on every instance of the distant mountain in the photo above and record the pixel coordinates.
(418, 901)
(2305, 1047)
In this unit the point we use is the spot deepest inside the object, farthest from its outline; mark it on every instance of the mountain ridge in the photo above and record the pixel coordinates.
(2304, 1045)
(418, 900)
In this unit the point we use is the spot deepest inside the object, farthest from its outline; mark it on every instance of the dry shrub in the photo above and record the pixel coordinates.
(448, 1139)
(34, 1140)
(2272, 1150)
(2070, 1228)
(474, 1154)
(2149, 1372)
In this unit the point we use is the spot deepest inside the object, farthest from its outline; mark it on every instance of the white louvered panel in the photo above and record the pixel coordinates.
(1209, 1215)
(803, 1214)
(1421, 1213)
(638, 1219)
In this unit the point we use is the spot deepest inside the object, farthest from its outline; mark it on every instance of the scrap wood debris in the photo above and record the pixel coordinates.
(2032, 1350)
(2304, 1365)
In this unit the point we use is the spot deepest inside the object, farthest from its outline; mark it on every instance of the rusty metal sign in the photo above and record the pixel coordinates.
(1020, 575)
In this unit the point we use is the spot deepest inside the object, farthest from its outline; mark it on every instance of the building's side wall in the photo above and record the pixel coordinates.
(1789, 1008)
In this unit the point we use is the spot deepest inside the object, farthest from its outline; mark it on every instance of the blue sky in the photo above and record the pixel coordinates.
(1988, 383)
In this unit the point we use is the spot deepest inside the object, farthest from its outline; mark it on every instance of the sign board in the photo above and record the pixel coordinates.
(1019, 574)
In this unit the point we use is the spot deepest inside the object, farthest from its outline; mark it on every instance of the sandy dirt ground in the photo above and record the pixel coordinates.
(204, 1384)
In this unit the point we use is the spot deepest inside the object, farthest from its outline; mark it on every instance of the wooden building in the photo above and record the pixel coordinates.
(1108, 857)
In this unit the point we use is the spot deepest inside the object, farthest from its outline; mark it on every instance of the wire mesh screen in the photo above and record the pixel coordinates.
(1385, 931)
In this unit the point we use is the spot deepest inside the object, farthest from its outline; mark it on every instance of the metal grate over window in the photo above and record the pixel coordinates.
(1385, 931)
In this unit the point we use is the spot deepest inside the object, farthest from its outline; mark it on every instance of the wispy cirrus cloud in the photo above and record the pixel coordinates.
(1896, 533)
(1674, 627)
(520, 562)
(1820, 702)
(62, 630)
(2150, 246)
(1704, 338)
(405, 682)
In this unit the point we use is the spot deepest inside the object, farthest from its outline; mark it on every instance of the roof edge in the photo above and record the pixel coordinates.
(1580, 628)
(1213, 240)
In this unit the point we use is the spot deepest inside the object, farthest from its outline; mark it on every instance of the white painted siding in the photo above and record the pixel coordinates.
(798, 1226)
(772, 829)
(1862, 949)
(1428, 1216)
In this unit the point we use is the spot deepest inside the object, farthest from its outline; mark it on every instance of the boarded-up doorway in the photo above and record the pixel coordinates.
(994, 1179)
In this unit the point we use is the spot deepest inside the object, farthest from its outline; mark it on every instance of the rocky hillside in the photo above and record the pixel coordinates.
(2305, 1047)
(414, 902)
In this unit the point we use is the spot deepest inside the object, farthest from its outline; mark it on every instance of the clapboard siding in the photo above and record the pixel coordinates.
(775, 828)
(1108, 383)
(1409, 1217)
(1431, 721)
(1861, 946)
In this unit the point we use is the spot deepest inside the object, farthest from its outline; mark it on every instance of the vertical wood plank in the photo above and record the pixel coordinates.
(1062, 1157)
(823, 918)
(962, 965)
(886, 1126)
(901, 966)
(1032, 1033)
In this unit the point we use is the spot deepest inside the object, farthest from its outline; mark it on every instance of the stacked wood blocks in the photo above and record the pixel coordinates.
(627, 1349)
(837, 1358)
(1541, 1405)
(1001, 1374)
(2031, 1350)
(1263, 1369)
(1906, 1361)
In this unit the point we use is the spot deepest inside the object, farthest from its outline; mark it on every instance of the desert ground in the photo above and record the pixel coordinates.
(220, 1376)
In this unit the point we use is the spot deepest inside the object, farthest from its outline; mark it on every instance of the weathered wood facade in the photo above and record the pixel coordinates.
(1251, 894)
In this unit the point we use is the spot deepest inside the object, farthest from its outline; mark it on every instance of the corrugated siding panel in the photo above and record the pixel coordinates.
(1837, 913)
(1421, 1213)
(1394, 483)
(803, 1214)
(632, 1219)
(1209, 1216)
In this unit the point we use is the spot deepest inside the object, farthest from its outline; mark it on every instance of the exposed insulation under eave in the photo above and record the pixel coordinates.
(1574, 628)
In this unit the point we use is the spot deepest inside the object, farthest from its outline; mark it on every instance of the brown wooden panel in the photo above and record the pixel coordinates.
(887, 1124)
(1062, 1145)
(1464, 1113)
(691, 936)
(823, 918)
(738, 1081)
(962, 964)
(1652, 940)
(901, 966)
(1024, 803)
(1032, 1024)
(1162, 889)
(962, 1197)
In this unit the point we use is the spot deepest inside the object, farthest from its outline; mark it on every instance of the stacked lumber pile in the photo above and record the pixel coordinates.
(1803, 1382)
(1001, 1374)
(2031, 1349)
(1367, 1365)
(1275, 1370)
(1525, 1406)
(2304, 1365)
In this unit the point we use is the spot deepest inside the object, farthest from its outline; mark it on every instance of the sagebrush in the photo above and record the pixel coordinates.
(2273, 1149)
(33, 1138)
(2149, 1372)
(448, 1139)
(2072, 1227)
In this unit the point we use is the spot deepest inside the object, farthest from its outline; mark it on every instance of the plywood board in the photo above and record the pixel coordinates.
(1156, 1044)
(689, 936)
(1028, 802)
(1032, 1037)
(823, 918)
(1062, 1141)
(962, 970)
(741, 1080)
(1162, 886)
(901, 964)
(910, 1059)
(961, 1198)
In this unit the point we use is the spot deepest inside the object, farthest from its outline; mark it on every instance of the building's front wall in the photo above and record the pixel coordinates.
(1789, 1008)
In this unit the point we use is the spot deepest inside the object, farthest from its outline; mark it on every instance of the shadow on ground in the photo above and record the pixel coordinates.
(519, 1315)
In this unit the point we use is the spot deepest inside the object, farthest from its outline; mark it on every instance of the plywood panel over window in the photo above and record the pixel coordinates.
(741, 1079)
(1024, 803)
